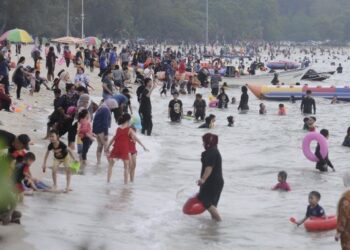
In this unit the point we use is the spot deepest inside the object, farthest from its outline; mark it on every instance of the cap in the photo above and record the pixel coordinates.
(25, 140)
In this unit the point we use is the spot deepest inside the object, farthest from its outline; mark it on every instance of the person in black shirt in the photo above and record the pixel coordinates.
(340, 69)
(175, 109)
(62, 155)
(211, 181)
(223, 99)
(199, 106)
(323, 163)
(243, 104)
(140, 90)
(145, 109)
(308, 103)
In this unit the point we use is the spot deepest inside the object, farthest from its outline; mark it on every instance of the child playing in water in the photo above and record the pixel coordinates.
(85, 134)
(188, 115)
(262, 110)
(313, 209)
(233, 100)
(133, 152)
(282, 182)
(281, 109)
(323, 164)
(62, 155)
(121, 147)
(230, 120)
(311, 124)
(209, 122)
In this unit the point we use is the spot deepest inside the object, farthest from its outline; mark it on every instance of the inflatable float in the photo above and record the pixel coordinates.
(193, 206)
(321, 224)
(314, 136)
(285, 92)
(283, 65)
(185, 76)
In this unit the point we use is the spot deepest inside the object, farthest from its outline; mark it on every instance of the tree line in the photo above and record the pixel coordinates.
(183, 20)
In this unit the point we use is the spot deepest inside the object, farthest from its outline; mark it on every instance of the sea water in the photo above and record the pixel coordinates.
(148, 213)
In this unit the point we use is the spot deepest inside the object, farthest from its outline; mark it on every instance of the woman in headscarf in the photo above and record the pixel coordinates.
(343, 224)
(211, 182)
(243, 104)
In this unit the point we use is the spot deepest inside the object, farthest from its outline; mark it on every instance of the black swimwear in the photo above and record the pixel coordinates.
(211, 190)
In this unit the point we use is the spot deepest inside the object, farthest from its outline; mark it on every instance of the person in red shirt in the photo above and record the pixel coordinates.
(282, 182)
(22, 172)
(85, 134)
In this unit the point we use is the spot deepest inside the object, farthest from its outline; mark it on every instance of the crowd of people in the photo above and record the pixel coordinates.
(84, 121)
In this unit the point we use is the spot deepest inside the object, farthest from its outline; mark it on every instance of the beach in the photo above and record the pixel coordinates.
(148, 213)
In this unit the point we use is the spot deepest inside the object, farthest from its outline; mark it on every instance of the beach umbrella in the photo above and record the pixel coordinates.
(92, 40)
(17, 36)
(68, 40)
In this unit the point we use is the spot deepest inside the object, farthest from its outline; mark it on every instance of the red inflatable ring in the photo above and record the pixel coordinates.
(315, 224)
(193, 206)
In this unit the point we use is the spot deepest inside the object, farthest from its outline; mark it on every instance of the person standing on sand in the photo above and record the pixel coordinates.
(211, 182)
(50, 64)
(19, 75)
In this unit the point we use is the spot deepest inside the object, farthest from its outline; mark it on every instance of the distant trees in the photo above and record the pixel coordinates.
(229, 20)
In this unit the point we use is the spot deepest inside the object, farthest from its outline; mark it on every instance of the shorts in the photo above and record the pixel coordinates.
(65, 161)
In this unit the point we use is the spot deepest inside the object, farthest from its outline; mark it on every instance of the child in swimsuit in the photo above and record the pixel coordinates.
(281, 109)
(282, 182)
(313, 209)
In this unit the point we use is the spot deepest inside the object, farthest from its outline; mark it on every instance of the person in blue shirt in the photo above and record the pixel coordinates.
(101, 125)
(313, 209)
(113, 57)
(103, 63)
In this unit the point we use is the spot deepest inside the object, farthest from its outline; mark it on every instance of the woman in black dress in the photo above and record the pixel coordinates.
(243, 104)
(211, 182)
(50, 64)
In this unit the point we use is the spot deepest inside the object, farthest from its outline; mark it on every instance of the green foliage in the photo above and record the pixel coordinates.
(8, 198)
(183, 19)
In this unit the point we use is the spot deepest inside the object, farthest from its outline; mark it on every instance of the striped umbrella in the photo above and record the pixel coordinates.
(68, 40)
(92, 40)
(17, 36)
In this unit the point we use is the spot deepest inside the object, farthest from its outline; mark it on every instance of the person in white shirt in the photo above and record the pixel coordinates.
(81, 79)
(149, 72)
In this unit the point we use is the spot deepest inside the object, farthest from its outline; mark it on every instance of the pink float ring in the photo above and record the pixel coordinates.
(213, 104)
(307, 142)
